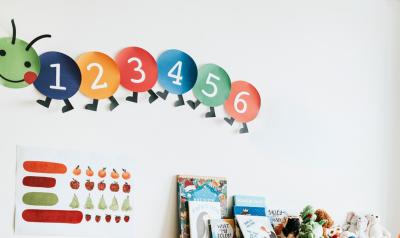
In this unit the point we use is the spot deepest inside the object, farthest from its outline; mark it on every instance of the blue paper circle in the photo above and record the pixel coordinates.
(168, 64)
(69, 80)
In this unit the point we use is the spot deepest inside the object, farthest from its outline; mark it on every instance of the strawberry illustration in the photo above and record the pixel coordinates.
(117, 219)
(98, 218)
(126, 218)
(88, 217)
(108, 218)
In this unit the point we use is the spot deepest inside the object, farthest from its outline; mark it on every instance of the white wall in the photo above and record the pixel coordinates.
(326, 70)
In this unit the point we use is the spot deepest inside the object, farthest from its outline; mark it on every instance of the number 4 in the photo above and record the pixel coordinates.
(177, 76)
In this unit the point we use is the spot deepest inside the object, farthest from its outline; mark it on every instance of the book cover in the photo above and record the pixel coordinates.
(199, 215)
(255, 226)
(198, 188)
(222, 228)
(249, 201)
(251, 211)
(277, 216)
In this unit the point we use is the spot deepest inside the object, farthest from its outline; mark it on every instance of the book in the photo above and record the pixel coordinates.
(222, 228)
(249, 201)
(277, 216)
(248, 205)
(255, 226)
(199, 215)
(199, 188)
(251, 211)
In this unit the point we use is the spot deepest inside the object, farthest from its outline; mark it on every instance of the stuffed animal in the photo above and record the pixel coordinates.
(323, 215)
(375, 229)
(355, 226)
(289, 228)
(310, 228)
(334, 232)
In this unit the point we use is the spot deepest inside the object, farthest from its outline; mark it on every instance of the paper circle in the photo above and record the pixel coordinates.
(16, 63)
(244, 102)
(177, 71)
(100, 75)
(138, 69)
(59, 76)
(213, 85)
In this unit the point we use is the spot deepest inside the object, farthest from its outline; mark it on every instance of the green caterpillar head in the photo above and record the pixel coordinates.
(19, 62)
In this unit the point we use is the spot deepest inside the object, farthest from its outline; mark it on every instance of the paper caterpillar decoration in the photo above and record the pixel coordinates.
(96, 75)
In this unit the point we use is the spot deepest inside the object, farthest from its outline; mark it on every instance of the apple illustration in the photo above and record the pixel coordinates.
(89, 185)
(74, 184)
(101, 186)
(114, 187)
(126, 188)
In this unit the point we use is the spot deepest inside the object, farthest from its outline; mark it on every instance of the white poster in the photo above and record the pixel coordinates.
(61, 192)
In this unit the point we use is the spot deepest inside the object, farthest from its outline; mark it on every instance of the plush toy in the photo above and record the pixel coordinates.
(310, 228)
(289, 228)
(355, 226)
(334, 232)
(375, 229)
(322, 215)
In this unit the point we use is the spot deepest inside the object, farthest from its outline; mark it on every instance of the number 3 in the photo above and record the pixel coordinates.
(213, 85)
(241, 101)
(95, 84)
(138, 69)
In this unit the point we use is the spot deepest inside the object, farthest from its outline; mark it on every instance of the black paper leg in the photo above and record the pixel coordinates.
(229, 120)
(92, 106)
(211, 113)
(44, 103)
(192, 104)
(244, 129)
(180, 101)
(132, 98)
(68, 106)
(153, 96)
(114, 103)
(163, 95)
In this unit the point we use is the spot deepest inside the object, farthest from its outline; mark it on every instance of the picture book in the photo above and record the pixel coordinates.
(222, 228)
(199, 188)
(251, 211)
(255, 226)
(199, 215)
(249, 201)
(248, 205)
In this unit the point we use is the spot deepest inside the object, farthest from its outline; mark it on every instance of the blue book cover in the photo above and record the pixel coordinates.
(248, 201)
(251, 211)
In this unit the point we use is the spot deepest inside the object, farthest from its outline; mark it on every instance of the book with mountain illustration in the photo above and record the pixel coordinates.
(199, 188)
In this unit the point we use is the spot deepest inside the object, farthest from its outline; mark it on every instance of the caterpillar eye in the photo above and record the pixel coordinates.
(27, 64)
(2, 53)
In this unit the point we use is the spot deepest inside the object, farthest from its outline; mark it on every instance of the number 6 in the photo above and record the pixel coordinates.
(241, 101)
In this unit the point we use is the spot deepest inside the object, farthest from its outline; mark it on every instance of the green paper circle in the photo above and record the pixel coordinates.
(12, 65)
(213, 85)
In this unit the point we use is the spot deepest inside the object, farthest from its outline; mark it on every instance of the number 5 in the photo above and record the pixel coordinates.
(238, 101)
(213, 85)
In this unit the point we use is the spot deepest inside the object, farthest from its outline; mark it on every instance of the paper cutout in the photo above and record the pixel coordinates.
(126, 205)
(19, 62)
(52, 216)
(114, 205)
(89, 203)
(102, 204)
(100, 78)
(59, 78)
(213, 85)
(177, 74)
(39, 182)
(40, 199)
(44, 167)
(138, 70)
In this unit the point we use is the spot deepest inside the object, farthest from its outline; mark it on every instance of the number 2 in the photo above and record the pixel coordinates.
(137, 69)
(58, 78)
(213, 85)
(95, 84)
(177, 76)
(239, 100)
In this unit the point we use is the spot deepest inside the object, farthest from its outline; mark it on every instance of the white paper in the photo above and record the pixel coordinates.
(65, 193)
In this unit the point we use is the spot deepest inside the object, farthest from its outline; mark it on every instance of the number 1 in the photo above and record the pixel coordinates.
(177, 76)
(58, 78)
